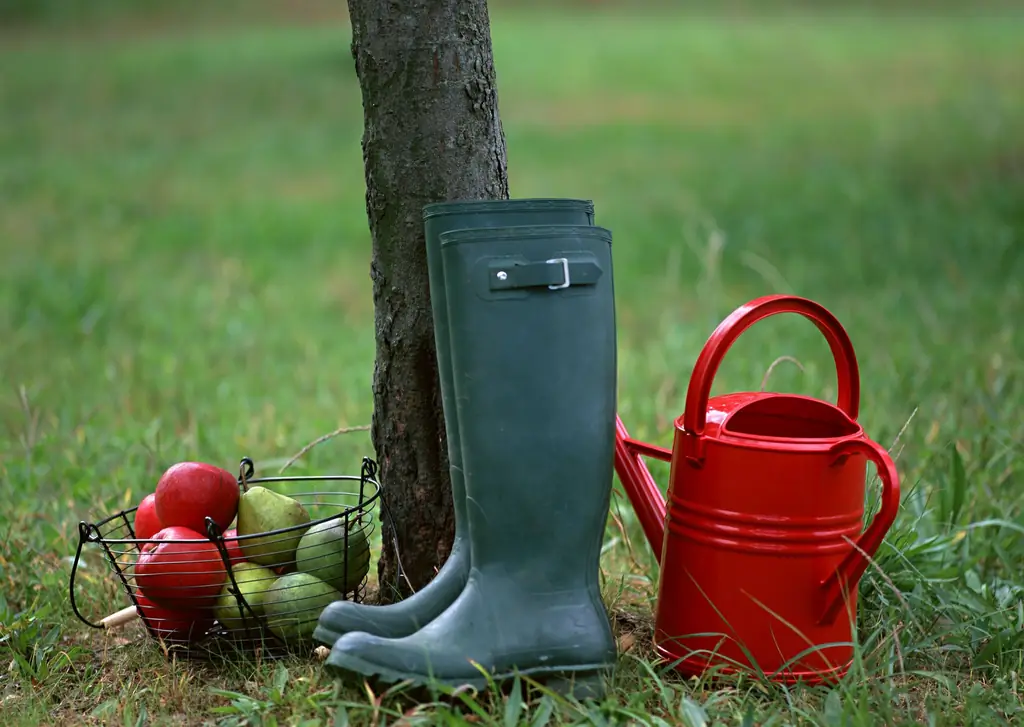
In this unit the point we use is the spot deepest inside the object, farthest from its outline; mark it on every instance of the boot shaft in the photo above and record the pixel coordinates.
(441, 217)
(533, 343)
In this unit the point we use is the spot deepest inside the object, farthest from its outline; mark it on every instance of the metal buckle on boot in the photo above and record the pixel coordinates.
(565, 272)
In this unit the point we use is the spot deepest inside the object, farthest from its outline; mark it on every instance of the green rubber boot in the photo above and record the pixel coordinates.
(404, 617)
(533, 354)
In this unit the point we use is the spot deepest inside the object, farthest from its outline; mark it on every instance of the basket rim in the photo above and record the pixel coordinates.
(360, 509)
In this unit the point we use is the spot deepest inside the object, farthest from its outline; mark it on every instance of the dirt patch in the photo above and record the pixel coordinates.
(627, 108)
(175, 19)
(316, 186)
(601, 110)
(348, 290)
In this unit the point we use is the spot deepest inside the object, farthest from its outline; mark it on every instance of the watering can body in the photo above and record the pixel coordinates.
(760, 542)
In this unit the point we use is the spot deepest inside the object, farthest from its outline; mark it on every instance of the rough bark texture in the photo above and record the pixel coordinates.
(431, 133)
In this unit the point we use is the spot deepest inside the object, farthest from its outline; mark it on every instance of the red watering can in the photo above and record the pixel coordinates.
(760, 545)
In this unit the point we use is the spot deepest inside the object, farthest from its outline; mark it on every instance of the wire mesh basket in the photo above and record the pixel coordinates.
(258, 592)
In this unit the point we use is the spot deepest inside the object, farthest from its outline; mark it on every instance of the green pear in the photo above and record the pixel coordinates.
(322, 553)
(253, 582)
(261, 510)
(293, 605)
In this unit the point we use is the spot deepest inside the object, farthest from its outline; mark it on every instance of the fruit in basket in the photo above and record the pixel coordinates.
(181, 575)
(235, 554)
(188, 492)
(325, 552)
(253, 582)
(261, 510)
(173, 624)
(293, 605)
(146, 524)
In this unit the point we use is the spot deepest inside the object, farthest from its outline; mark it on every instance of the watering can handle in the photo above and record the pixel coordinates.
(836, 586)
(695, 416)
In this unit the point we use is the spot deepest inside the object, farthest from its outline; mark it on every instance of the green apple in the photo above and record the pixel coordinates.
(325, 553)
(253, 582)
(293, 605)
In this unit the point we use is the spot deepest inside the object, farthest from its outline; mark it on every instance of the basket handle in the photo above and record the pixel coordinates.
(85, 535)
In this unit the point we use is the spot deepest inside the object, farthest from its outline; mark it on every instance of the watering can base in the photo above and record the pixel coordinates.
(693, 666)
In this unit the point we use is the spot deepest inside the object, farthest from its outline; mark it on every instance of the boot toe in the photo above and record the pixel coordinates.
(402, 659)
(340, 618)
(393, 621)
(399, 619)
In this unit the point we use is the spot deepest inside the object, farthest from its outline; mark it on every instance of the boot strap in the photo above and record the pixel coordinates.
(556, 274)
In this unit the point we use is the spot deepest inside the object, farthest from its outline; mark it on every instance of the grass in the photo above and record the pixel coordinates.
(186, 276)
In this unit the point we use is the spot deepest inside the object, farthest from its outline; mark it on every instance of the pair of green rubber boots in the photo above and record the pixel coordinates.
(524, 319)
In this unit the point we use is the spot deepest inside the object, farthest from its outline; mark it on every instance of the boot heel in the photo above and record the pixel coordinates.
(579, 685)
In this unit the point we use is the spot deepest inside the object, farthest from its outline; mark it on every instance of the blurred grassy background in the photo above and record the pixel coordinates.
(185, 247)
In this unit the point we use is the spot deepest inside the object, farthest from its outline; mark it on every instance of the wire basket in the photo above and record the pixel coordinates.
(258, 593)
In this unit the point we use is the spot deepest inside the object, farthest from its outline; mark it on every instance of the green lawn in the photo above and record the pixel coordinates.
(185, 275)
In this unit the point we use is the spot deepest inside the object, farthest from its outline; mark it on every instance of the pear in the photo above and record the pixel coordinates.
(293, 605)
(261, 510)
(322, 553)
(253, 582)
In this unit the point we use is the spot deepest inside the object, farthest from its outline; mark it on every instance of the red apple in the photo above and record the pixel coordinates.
(147, 524)
(174, 624)
(188, 492)
(235, 554)
(181, 576)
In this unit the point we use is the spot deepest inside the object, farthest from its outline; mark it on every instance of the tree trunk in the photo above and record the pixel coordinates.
(431, 133)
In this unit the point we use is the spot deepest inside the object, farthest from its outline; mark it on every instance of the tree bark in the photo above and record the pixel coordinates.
(431, 133)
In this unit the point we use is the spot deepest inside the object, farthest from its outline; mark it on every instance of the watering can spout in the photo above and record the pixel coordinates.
(640, 486)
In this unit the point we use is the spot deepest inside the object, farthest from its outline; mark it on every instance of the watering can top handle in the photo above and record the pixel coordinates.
(695, 416)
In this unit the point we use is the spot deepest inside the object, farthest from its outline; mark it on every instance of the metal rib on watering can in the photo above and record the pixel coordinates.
(761, 548)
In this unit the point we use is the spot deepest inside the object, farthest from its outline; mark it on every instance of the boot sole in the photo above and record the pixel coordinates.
(583, 681)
